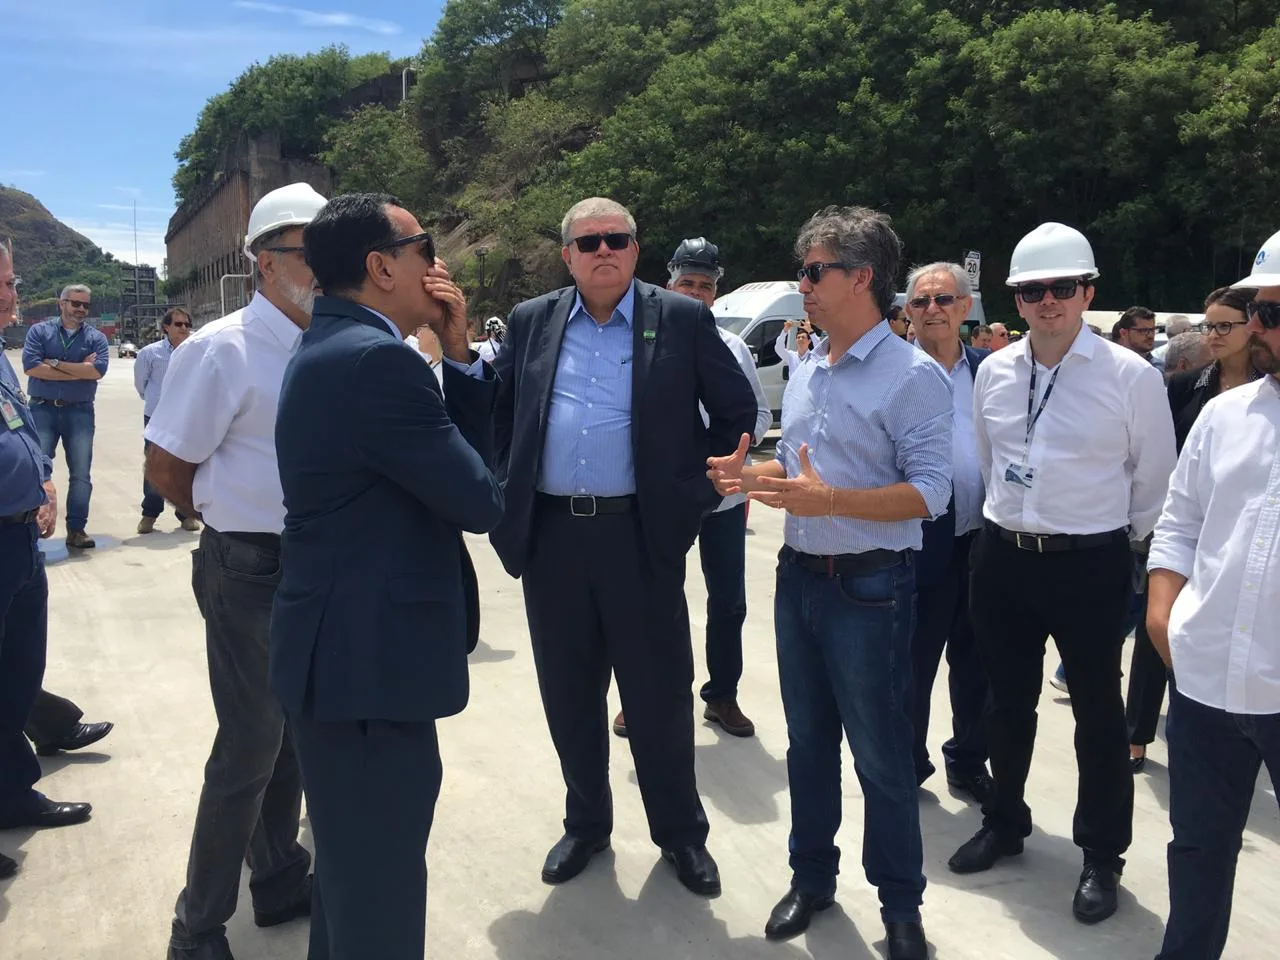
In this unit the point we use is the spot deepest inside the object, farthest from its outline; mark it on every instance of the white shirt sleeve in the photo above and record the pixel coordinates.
(1153, 451)
(197, 406)
(1178, 530)
(983, 441)
(789, 356)
(764, 415)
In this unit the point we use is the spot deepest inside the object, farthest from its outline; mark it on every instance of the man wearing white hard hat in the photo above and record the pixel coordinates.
(1213, 614)
(1075, 445)
(213, 456)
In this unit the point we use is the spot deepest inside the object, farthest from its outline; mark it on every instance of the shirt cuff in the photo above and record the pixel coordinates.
(474, 370)
(1167, 556)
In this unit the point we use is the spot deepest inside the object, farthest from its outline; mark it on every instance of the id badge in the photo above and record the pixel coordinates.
(1020, 475)
(12, 419)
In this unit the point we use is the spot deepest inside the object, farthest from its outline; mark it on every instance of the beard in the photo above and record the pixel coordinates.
(1262, 357)
(303, 298)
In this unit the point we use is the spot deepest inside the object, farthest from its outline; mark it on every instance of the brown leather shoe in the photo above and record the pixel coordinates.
(620, 725)
(147, 525)
(727, 714)
(80, 540)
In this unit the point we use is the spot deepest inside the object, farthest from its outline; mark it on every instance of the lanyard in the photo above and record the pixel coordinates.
(67, 341)
(1033, 419)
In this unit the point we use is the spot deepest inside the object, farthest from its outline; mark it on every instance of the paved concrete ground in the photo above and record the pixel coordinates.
(127, 643)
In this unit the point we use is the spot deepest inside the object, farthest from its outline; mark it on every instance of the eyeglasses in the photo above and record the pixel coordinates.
(1222, 327)
(1143, 330)
(1266, 312)
(1061, 290)
(77, 304)
(284, 249)
(179, 323)
(590, 243)
(813, 271)
(428, 246)
(942, 300)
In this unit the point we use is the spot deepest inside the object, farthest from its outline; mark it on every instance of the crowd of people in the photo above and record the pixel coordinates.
(942, 497)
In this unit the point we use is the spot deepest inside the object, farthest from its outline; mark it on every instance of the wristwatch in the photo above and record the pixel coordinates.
(54, 363)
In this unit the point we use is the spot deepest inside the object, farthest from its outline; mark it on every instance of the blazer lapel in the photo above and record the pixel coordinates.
(543, 366)
(644, 330)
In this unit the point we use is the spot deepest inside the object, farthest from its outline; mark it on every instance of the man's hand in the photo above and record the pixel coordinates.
(452, 327)
(726, 472)
(1163, 587)
(802, 496)
(47, 516)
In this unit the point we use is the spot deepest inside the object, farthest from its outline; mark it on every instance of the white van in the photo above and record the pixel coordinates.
(756, 313)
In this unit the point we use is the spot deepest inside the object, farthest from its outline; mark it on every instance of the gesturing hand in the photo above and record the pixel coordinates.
(803, 496)
(726, 472)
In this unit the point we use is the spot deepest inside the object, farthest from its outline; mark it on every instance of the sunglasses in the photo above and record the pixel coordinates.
(284, 249)
(77, 304)
(179, 323)
(590, 242)
(813, 271)
(1266, 312)
(1061, 290)
(428, 246)
(942, 300)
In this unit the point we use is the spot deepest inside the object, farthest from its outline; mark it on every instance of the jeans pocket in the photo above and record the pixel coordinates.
(874, 591)
(249, 564)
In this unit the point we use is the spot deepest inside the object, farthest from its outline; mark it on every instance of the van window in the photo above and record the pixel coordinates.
(734, 324)
(761, 340)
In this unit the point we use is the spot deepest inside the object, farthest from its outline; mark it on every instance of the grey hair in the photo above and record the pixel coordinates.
(74, 288)
(859, 237)
(957, 273)
(1176, 325)
(594, 207)
(675, 273)
(1190, 346)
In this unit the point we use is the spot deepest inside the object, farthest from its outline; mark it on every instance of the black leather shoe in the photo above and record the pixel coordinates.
(81, 735)
(982, 851)
(980, 786)
(696, 869)
(49, 813)
(792, 914)
(905, 941)
(1137, 763)
(206, 948)
(1096, 894)
(8, 867)
(569, 857)
(301, 907)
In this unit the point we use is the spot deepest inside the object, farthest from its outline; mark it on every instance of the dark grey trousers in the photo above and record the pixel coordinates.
(252, 794)
(52, 718)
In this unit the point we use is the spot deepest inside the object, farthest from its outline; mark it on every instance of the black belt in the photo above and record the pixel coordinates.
(26, 516)
(60, 403)
(265, 541)
(844, 564)
(589, 506)
(1058, 542)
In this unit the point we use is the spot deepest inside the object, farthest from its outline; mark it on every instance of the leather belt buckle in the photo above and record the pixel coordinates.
(587, 510)
(1036, 541)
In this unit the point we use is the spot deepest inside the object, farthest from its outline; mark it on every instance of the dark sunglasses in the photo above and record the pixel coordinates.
(284, 249)
(813, 271)
(942, 300)
(590, 243)
(186, 324)
(1061, 290)
(428, 246)
(77, 304)
(1266, 312)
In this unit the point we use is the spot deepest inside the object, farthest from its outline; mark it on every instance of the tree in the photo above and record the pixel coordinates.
(379, 150)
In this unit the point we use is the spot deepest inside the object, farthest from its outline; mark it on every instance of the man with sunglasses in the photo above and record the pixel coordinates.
(1075, 444)
(1213, 615)
(1136, 330)
(213, 457)
(148, 379)
(601, 449)
(938, 302)
(999, 337)
(65, 358)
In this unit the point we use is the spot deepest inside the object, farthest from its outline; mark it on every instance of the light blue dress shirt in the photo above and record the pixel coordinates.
(148, 373)
(587, 448)
(882, 414)
(966, 477)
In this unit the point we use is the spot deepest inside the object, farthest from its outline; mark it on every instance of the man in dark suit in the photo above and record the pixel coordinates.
(938, 301)
(601, 450)
(377, 607)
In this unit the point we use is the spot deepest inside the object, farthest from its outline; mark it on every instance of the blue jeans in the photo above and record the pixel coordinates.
(73, 425)
(722, 544)
(844, 661)
(1214, 759)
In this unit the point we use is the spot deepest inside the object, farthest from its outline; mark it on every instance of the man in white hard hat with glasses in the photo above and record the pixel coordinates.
(213, 456)
(1213, 614)
(1075, 444)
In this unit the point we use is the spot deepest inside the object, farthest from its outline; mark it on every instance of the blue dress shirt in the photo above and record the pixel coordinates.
(23, 468)
(587, 449)
(148, 373)
(48, 340)
(882, 414)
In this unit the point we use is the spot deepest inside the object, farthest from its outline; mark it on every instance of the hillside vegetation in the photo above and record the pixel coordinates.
(1152, 126)
(48, 254)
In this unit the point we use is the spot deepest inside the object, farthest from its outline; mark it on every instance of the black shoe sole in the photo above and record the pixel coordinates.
(620, 731)
(788, 934)
(748, 731)
(556, 879)
(1011, 851)
(295, 912)
(1091, 919)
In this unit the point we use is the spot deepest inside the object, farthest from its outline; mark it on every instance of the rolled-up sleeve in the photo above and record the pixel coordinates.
(1173, 547)
(921, 423)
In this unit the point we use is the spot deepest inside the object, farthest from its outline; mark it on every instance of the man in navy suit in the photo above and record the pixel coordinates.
(601, 450)
(938, 301)
(377, 607)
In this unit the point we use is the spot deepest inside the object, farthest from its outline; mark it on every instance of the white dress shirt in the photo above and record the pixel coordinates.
(764, 415)
(1221, 529)
(218, 411)
(1102, 449)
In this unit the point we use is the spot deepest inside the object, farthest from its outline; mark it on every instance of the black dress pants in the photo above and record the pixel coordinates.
(596, 605)
(51, 718)
(1148, 678)
(1019, 598)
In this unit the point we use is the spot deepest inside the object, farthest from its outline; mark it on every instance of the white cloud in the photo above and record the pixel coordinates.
(316, 18)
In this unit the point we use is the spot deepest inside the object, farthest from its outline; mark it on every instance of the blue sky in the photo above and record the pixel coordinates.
(97, 93)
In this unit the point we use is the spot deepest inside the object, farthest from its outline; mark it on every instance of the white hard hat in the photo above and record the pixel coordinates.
(1266, 265)
(294, 205)
(1050, 251)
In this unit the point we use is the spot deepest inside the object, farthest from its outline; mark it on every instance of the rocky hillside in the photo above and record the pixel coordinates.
(47, 253)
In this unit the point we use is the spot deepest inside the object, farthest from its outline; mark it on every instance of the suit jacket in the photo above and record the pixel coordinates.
(678, 360)
(939, 536)
(377, 606)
